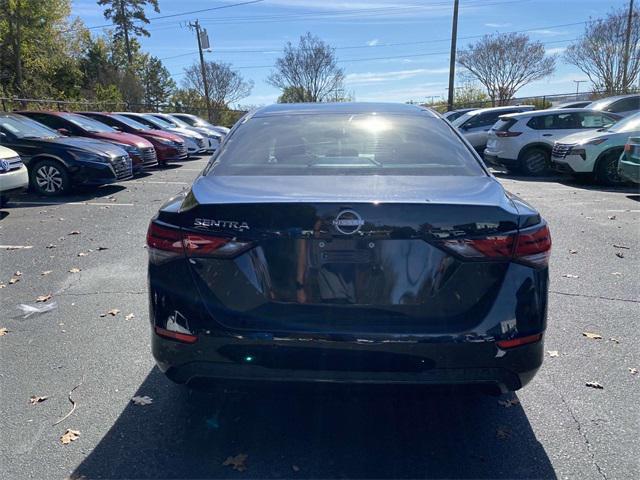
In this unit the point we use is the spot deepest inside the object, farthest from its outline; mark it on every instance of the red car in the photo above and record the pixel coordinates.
(141, 151)
(169, 147)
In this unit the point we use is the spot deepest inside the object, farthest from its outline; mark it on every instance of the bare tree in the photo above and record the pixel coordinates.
(601, 52)
(226, 86)
(308, 72)
(504, 63)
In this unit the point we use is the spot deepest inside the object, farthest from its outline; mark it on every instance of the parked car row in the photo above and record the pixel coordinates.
(579, 139)
(53, 151)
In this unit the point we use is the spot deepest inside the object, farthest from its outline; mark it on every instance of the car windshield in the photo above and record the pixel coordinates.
(599, 104)
(176, 121)
(629, 124)
(23, 127)
(130, 122)
(463, 118)
(346, 144)
(87, 123)
(156, 121)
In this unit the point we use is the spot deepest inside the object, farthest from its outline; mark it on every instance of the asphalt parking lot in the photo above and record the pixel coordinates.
(556, 427)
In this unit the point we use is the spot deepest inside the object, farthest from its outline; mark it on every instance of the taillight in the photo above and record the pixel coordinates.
(531, 246)
(508, 134)
(516, 342)
(166, 243)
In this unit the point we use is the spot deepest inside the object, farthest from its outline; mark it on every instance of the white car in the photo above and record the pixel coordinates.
(213, 138)
(195, 143)
(522, 142)
(14, 177)
(475, 125)
(196, 121)
(596, 152)
(623, 105)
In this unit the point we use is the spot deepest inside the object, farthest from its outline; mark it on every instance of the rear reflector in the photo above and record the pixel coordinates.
(516, 342)
(531, 246)
(180, 337)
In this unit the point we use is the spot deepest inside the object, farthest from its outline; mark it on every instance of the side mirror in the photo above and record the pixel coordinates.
(116, 128)
(64, 131)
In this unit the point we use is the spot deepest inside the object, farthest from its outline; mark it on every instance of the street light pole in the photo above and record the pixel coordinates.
(452, 58)
(578, 82)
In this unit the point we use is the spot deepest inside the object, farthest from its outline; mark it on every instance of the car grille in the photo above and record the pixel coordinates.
(200, 142)
(9, 164)
(149, 156)
(182, 149)
(122, 166)
(561, 150)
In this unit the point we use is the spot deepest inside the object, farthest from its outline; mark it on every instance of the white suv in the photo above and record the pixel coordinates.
(597, 152)
(523, 142)
(13, 174)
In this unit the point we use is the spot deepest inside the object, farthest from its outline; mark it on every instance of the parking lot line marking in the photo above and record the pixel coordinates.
(97, 204)
(623, 211)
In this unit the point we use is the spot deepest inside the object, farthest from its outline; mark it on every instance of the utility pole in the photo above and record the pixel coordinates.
(627, 45)
(578, 82)
(452, 59)
(202, 37)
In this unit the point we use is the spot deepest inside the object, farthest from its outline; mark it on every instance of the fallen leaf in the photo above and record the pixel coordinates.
(113, 312)
(46, 272)
(509, 402)
(18, 273)
(3, 331)
(569, 275)
(611, 217)
(69, 436)
(594, 385)
(237, 463)
(619, 254)
(43, 298)
(13, 280)
(503, 432)
(617, 274)
(129, 317)
(34, 399)
(83, 254)
(101, 248)
(591, 335)
(614, 340)
(632, 371)
(51, 245)
(74, 232)
(589, 218)
(553, 353)
(142, 401)
(74, 270)
(2, 285)
(295, 468)
(621, 246)
(572, 251)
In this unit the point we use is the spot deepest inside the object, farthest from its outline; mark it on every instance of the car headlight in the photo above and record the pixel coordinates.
(130, 149)
(84, 156)
(166, 141)
(596, 141)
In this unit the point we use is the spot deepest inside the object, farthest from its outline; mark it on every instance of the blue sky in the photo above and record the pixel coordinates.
(251, 37)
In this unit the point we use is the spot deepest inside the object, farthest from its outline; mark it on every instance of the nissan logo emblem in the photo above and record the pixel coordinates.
(348, 222)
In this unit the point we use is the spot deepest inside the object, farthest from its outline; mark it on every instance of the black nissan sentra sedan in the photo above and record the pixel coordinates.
(353, 243)
(57, 163)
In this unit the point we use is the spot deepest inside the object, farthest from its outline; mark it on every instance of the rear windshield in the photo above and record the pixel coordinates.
(89, 124)
(503, 124)
(345, 144)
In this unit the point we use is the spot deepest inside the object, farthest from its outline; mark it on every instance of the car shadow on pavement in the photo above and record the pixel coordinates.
(318, 432)
(78, 194)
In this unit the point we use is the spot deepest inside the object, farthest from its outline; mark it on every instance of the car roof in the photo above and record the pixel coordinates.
(497, 109)
(539, 113)
(346, 108)
(607, 100)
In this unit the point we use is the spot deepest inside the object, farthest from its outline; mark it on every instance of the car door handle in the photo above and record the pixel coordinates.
(547, 134)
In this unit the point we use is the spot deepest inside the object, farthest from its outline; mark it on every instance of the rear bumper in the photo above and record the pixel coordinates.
(353, 362)
(500, 161)
(14, 180)
(629, 170)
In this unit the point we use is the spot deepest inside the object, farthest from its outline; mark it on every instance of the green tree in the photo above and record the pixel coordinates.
(128, 17)
(156, 81)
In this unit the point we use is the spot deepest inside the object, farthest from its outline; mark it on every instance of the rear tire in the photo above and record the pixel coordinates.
(50, 177)
(606, 172)
(534, 162)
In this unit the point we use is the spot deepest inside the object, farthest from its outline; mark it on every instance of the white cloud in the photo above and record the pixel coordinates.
(379, 77)
(497, 25)
(555, 51)
(373, 43)
(551, 33)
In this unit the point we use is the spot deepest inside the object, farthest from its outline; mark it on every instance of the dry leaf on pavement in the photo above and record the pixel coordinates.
(142, 401)
(594, 385)
(572, 251)
(13, 280)
(18, 273)
(237, 463)
(509, 402)
(569, 275)
(113, 312)
(614, 340)
(35, 399)
(43, 298)
(621, 246)
(51, 245)
(129, 317)
(617, 274)
(74, 232)
(553, 353)
(101, 248)
(74, 270)
(611, 217)
(591, 335)
(2, 285)
(619, 254)
(632, 371)
(69, 436)
(46, 272)
(83, 254)
(3, 331)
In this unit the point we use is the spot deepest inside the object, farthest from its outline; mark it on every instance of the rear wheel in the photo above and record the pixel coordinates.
(607, 169)
(534, 162)
(50, 177)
